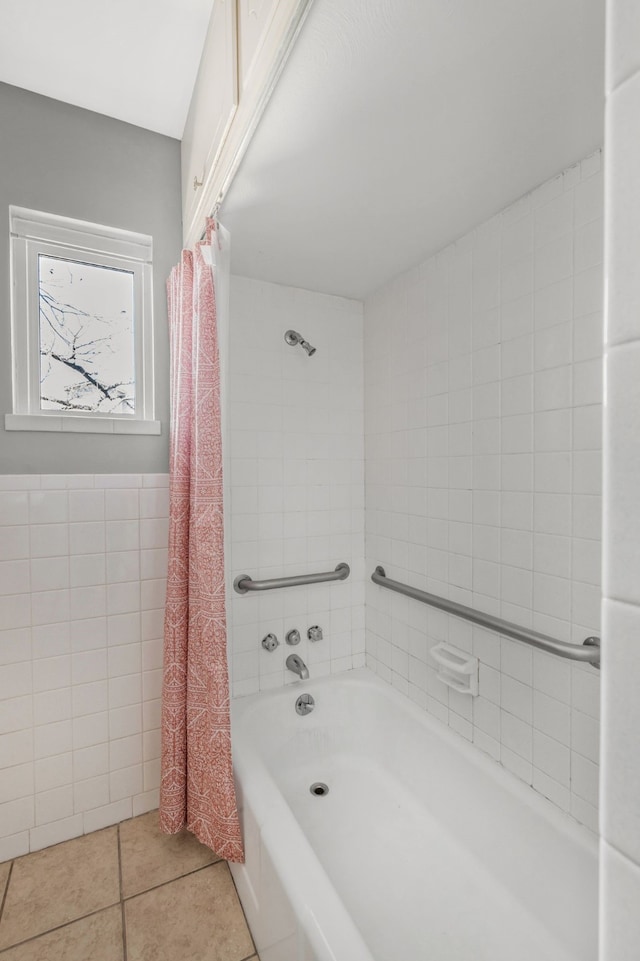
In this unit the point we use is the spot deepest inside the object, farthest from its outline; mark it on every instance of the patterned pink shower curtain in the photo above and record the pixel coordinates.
(197, 786)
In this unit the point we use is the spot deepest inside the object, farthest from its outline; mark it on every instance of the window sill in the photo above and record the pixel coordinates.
(67, 423)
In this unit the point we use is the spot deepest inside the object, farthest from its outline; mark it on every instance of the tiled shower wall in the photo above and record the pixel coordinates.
(297, 478)
(620, 815)
(483, 450)
(82, 582)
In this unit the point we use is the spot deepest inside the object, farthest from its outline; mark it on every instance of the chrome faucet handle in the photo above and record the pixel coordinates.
(270, 642)
(315, 633)
(293, 637)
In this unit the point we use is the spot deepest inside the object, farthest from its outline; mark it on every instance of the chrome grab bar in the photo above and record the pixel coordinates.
(243, 583)
(588, 652)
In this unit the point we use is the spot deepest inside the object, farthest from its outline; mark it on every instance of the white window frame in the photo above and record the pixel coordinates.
(34, 233)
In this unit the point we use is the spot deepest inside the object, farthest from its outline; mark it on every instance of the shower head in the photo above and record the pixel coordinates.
(293, 338)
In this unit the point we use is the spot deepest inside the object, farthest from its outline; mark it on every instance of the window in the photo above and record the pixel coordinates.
(81, 326)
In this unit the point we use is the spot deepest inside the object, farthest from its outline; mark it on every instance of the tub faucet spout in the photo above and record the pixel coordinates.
(297, 665)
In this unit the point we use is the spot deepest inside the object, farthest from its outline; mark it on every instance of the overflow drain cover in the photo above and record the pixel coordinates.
(318, 789)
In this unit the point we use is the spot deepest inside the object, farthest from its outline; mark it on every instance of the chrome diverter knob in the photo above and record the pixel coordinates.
(270, 642)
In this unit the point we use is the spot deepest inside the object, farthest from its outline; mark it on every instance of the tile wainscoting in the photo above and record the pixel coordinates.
(82, 582)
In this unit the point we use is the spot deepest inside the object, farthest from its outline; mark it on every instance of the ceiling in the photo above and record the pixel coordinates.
(135, 60)
(398, 125)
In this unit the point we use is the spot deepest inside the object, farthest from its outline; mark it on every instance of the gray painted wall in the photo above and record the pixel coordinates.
(65, 160)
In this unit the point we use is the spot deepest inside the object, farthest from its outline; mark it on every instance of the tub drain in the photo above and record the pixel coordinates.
(318, 789)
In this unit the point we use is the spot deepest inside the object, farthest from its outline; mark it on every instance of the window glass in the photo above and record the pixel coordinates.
(82, 337)
(86, 329)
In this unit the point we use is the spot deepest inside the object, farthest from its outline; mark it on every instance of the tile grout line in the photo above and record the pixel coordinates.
(163, 884)
(58, 927)
(122, 913)
(255, 950)
(122, 902)
(6, 890)
(106, 907)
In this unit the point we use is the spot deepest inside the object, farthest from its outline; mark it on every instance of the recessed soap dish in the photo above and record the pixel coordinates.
(457, 669)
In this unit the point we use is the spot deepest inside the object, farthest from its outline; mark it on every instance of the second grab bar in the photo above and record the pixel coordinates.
(244, 583)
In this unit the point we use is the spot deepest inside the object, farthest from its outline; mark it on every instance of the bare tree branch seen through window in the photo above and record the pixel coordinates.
(86, 337)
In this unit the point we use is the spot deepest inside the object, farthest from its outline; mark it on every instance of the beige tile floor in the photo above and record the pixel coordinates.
(128, 893)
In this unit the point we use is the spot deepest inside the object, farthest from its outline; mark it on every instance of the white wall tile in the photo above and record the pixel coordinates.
(16, 747)
(126, 782)
(86, 570)
(584, 778)
(51, 739)
(61, 568)
(16, 714)
(621, 519)
(54, 805)
(623, 200)
(49, 540)
(87, 537)
(124, 628)
(54, 705)
(86, 505)
(15, 646)
(14, 577)
(126, 659)
(102, 817)
(621, 716)
(14, 508)
(121, 505)
(125, 722)
(91, 793)
(14, 846)
(551, 717)
(48, 507)
(298, 495)
(49, 607)
(122, 535)
(551, 789)
(551, 757)
(90, 729)
(49, 573)
(154, 533)
(15, 680)
(52, 772)
(17, 782)
(14, 543)
(125, 752)
(522, 418)
(87, 602)
(51, 673)
(16, 816)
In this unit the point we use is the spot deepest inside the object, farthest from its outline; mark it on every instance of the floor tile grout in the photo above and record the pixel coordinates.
(244, 915)
(163, 884)
(59, 927)
(6, 890)
(122, 915)
(121, 902)
(114, 904)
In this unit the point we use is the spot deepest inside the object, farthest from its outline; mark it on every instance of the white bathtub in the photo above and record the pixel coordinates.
(423, 850)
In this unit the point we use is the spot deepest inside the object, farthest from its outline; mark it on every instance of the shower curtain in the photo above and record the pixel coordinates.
(197, 786)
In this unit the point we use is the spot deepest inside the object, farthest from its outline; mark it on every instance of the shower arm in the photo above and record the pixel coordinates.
(293, 338)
